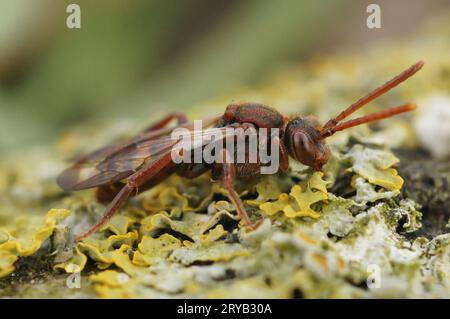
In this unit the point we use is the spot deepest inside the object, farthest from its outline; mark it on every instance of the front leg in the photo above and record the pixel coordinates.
(227, 177)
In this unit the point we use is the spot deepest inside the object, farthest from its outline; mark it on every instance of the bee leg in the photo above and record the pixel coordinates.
(141, 177)
(227, 178)
(180, 117)
(111, 209)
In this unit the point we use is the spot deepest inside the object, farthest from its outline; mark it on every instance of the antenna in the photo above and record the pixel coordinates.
(373, 95)
(367, 119)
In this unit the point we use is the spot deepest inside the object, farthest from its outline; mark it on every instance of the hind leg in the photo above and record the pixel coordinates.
(142, 177)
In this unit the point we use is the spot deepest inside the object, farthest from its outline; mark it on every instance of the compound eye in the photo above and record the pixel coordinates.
(304, 150)
(306, 143)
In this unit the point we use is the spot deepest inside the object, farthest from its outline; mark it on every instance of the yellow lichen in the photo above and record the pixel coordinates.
(26, 237)
(298, 202)
(181, 193)
(375, 166)
(151, 249)
(268, 189)
(182, 238)
(213, 235)
(7, 260)
(119, 224)
(75, 264)
(98, 249)
(111, 277)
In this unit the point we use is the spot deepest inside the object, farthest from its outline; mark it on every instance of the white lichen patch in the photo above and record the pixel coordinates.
(433, 124)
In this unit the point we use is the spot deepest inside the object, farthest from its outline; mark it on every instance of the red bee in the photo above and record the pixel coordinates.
(121, 170)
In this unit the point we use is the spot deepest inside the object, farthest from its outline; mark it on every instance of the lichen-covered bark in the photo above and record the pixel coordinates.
(374, 223)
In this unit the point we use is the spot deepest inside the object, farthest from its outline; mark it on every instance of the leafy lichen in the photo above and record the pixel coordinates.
(319, 234)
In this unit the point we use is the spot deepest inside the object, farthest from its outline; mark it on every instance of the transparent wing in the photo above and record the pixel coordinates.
(116, 162)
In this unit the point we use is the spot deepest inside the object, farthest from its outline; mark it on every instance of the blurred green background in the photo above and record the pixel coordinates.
(138, 59)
